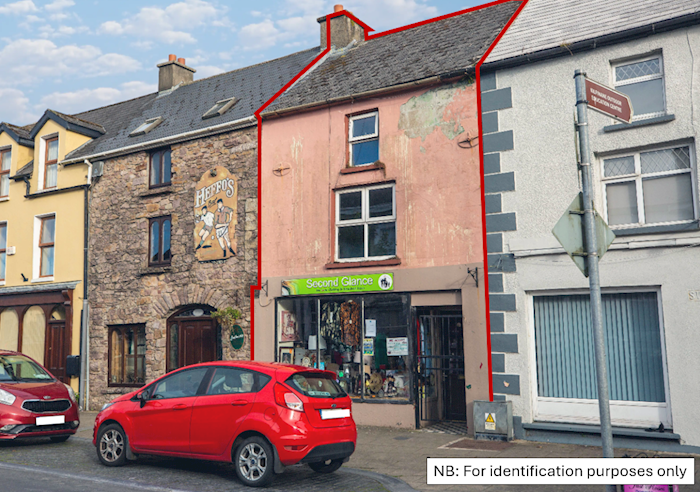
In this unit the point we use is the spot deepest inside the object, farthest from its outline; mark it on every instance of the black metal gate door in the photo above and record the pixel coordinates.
(440, 368)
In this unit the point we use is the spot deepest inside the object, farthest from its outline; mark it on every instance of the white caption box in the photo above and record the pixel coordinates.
(335, 413)
(560, 471)
(53, 420)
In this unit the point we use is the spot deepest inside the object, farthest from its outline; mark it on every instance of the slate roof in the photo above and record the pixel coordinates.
(80, 122)
(25, 170)
(182, 109)
(545, 24)
(18, 133)
(417, 53)
(21, 131)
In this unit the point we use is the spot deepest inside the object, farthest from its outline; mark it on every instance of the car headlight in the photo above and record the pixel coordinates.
(106, 406)
(6, 397)
(71, 393)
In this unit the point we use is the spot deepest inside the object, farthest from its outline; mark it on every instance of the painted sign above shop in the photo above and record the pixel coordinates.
(215, 216)
(335, 285)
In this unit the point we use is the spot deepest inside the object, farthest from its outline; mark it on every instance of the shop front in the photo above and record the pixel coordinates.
(398, 352)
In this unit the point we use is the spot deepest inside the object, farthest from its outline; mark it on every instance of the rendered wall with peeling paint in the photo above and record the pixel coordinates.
(437, 182)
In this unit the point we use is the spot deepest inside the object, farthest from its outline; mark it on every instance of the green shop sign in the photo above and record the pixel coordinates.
(333, 285)
(237, 337)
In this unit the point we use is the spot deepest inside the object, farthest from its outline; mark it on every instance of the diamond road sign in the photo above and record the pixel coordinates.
(569, 233)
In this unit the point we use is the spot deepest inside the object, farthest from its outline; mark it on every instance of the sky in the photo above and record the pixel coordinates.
(75, 55)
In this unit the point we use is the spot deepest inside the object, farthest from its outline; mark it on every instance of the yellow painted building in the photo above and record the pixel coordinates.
(42, 241)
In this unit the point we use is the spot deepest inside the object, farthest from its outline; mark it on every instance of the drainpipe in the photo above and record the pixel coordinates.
(84, 332)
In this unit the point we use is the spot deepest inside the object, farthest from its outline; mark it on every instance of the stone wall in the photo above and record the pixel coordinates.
(123, 289)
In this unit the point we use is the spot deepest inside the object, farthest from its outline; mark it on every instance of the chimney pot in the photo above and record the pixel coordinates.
(338, 7)
(172, 57)
(174, 72)
(181, 60)
(344, 30)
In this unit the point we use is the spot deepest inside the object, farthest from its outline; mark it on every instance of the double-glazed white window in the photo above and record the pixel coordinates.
(366, 223)
(646, 188)
(51, 163)
(643, 81)
(5, 161)
(363, 139)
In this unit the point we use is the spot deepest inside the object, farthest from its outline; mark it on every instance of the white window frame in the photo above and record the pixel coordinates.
(365, 220)
(637, 178)
(36, 257)
(661, 75)
(7, 148)
(6, 223)
(579, 411)
(363, 138)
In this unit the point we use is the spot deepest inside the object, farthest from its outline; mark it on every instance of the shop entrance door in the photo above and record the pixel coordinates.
(56, 353)
(198, 339)
(440, 369)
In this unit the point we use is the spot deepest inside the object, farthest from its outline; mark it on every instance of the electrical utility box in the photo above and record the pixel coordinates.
(493, 420)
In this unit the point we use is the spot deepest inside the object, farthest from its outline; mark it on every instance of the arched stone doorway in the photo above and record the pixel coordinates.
(193, 337)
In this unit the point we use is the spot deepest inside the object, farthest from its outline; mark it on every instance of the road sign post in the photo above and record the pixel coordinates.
(591, 255)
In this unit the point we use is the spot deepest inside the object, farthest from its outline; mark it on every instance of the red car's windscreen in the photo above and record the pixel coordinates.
(315, 385)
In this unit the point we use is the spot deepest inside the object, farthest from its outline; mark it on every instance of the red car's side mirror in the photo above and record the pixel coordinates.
(142, 397)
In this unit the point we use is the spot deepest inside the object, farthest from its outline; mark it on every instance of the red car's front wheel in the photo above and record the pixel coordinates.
(111, 445)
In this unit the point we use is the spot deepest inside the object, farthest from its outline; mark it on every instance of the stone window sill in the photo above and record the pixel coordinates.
(338, 265)
(661, 229)
(155, 270)
(377, 166)
(164, 190)
(639, 123)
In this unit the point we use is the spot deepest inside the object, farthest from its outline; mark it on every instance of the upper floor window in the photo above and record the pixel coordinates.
(46, 245)
(363, 139)
(5, 160)
(159, 242)
(3, 249)
(160, 169)
(366, 223)
(652, 187)
(51, 163)
(643, 82)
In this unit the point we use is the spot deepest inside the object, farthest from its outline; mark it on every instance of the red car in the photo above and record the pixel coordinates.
(260, 416)
(33, 403)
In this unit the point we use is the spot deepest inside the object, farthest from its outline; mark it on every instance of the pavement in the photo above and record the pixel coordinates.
(386, 460)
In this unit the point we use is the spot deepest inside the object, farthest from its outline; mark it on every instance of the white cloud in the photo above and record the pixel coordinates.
(258, 36)
(19, 8)
(388, 14)
(206, 70)
(86, 99)
(29, 60)
(14, 107)
(169, 25)
(59, 5)
(58, 17)
(32, 18)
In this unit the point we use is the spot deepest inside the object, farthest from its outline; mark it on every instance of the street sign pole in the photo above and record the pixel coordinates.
(593, 273)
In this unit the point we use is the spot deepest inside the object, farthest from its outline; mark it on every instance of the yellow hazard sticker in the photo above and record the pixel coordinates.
(490, 423)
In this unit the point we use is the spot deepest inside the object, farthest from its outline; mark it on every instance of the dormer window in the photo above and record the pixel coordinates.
(146, 126)
(220, 108)
(51, 163)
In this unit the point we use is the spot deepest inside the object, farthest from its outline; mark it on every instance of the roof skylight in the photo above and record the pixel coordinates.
(220, 108)
(146, 126)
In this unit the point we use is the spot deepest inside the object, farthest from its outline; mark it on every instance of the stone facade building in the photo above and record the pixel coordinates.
(173, 223)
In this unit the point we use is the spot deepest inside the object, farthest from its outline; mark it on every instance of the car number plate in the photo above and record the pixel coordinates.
(335, 413)
(54, 419)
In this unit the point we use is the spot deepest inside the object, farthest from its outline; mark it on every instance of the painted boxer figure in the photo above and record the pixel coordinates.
(208, 219)
(224, 216)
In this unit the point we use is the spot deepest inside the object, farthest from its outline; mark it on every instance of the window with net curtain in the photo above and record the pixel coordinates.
(643, 81)
(649, 188)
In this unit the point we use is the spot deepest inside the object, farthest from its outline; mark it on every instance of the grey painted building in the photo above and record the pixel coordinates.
(646, 188)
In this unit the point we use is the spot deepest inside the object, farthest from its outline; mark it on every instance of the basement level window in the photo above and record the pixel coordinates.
(146, 126)
(220, 108)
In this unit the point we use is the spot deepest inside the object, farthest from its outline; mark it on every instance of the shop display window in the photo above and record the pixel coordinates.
(364, 340)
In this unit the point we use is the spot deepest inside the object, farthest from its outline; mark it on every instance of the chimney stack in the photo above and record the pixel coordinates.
(174, 72)
(344, 30)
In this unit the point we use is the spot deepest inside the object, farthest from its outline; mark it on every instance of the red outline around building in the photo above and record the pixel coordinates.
(320, 57)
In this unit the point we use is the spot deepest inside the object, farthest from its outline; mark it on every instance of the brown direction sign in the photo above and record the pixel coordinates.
(609, 101)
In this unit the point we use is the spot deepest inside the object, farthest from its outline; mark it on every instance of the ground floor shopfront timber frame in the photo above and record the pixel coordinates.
(388, 343)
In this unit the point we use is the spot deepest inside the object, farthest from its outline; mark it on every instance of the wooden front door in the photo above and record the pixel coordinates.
(197, 341)
(56, 354)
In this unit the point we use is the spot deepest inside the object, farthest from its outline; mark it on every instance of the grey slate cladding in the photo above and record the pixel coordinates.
(504, 342)
(504, 263)
(182, 109)
(506, 383)
(488, 81)
(494, 243)
(496, 183)
(495, 282)
(433, 49)
(502, 302)
(498, 362)
(499, 397)
(497, 323)
(492, 204)
(489, 122)
(498, 142)
(492, 163)
(501, 222)
(495, 100)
